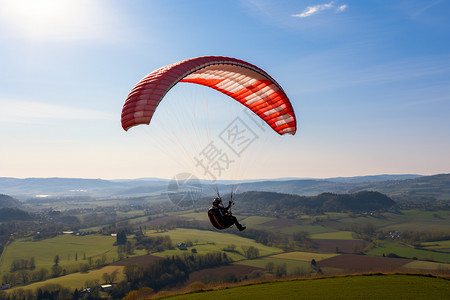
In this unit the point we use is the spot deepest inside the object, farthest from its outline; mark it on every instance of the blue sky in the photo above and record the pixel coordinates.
(369, 82)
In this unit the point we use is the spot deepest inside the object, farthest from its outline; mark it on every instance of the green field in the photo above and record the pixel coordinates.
(292, 266)
(305, 256)
(338, 235)
(427, 265)
(408, 252)
(211, 241)
(311, 229)
(295, 261)
(65, 246)
(348, 287)
(77, 280)
(334, 226)
(255, 220)
(443, 246)
(336, 215)
(413, 219)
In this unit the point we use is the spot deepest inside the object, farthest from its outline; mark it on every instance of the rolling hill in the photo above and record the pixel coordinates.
(10, 202)
(419, 189)
(360, 201)
(401, 188)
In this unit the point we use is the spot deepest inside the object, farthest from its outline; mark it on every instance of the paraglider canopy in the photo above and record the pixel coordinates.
(242, 81)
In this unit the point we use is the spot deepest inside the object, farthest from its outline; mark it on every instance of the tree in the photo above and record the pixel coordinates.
(56, 271)
(113, 275)
(84, 268)
(32, 264)
(56, 260)
(121, 238)
(301, 236)
(251, 252)
(129, 248)
(281, 270)
(24, 276)
(133, 272)
(90, 283)
(105, 277)
(269, 267)
(41, 274)
(142, 293)
(110, 278)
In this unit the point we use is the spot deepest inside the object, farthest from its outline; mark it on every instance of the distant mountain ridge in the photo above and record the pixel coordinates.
(399, 187)
(29, 187)
(423, 188)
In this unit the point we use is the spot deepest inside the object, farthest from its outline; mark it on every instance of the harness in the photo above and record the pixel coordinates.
(217, 218)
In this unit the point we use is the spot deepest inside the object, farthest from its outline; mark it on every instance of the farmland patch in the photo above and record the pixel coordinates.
(141, 260)
(311, 229)
(443, 246)
(257, 220)
(220, 273)
(212, 240)
(304, 256)
(338, 235)
(78, 280)
(291, 265)
(363, 263)
(72, 250)
(427, 266)
(339, 246)
(408, 251)
(278, 223)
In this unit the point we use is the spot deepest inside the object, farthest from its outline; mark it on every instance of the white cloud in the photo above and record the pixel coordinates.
(312, 10)
(20, 111)
(341, 8)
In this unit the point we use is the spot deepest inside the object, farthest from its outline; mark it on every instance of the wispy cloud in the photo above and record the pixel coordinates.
(315, 9)
(341, 8)
(28, 112)
(424, 8)
(430, 72)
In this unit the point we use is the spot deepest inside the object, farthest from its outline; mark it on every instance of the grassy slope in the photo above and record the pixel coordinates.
(408, 220)
(349, 287)
(305, 256)
(312, 229)
(425, 265)
(77, 280)
(65, 246)
(211, 241)
(409, 252)
(256, 220)
(338, 235)
(291, 265)
(439, 245)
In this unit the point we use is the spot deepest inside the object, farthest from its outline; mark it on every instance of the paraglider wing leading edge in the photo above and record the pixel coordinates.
(242, 81)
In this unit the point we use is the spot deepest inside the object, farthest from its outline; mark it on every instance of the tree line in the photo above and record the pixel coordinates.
(279, 204)
(166, 272)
